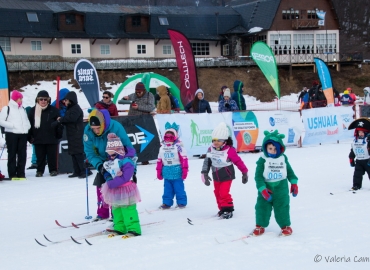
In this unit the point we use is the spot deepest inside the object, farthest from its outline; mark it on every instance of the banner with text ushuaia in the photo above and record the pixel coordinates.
(4, 82)
(186, 64)
(265, 59)
(325, 79)
(87, 77)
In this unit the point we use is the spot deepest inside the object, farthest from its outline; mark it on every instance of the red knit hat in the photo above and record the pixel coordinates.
(16, 95)
(140, 87)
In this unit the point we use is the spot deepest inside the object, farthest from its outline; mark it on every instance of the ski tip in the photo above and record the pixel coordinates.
(189, 220)
(56, 221)
(39, 243)
(74, 240)
(47, 238)
(88, 242)
(331, 193)
(190, 223)
(74, 225)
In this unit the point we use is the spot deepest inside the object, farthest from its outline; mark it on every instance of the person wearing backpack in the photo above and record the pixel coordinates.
(16, 125)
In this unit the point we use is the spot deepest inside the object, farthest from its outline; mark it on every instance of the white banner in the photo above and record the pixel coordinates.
(195, 129)
(287, 123)
(325, 125)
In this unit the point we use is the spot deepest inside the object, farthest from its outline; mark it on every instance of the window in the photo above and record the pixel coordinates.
(225, 49)
(136, 21)
(296, 14)
(5, 44)
(200, 48)
(280, 44)
(311, 14)
(32, 17)
(163, 20)
(303, 44)
(326, 43)
(141, 49)
(70, 19)
(166, 49)
(284, 15)
(262, 38)
(76, 48)
(36, 46)
(104, 49)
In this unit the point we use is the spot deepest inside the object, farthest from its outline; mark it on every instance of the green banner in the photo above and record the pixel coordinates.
(265, 59)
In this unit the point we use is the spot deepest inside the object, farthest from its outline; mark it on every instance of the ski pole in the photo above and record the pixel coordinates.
(2, 151)
(87, 190)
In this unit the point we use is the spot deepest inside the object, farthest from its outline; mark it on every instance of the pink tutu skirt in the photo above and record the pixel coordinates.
(127, 194)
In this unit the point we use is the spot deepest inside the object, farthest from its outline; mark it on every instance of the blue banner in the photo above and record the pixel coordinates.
(4, 82)
(87, 77)
(325, 79)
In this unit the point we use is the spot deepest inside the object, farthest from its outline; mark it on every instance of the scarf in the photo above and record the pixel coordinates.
(38, 111)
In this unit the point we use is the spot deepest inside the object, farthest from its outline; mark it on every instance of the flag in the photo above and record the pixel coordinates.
(325, 79)
(4, 81)
(265, 59)
(321, 16)
(87, 77)
(186, 64)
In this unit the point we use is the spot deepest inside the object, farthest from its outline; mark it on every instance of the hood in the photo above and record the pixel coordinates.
(162, 90)
(72, 97)
(238, 85)
(276, 139)
(100, 114)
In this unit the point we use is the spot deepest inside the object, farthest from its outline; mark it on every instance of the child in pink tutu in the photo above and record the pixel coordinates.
(119, 191)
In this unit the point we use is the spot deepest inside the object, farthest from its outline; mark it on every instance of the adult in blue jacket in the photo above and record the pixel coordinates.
(198, 104)
(62, 107)
(95, 142)
(237, 96)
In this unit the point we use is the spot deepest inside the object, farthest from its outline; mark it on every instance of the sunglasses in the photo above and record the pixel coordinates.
(169, 137)
(216, 140)
(42, 99)
(113, 155)
(105, 97)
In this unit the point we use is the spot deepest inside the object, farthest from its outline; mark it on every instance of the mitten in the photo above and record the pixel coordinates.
(294, 190)
(206, 179)
(159, 169)
(107, 176)
(352, 162)
(159, 175)
(266, 194)
(227, 105)
(184, 173)
(245, 178)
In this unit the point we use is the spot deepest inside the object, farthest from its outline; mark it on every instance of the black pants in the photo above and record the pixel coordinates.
(78, 164)
(360, 168)
(17, 154)
(43, 151)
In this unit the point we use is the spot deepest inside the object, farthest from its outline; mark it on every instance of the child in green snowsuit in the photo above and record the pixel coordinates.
(272, 175)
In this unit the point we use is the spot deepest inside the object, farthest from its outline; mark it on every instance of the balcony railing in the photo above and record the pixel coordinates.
(305, 24)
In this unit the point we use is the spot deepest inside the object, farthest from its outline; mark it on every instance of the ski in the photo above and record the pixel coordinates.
(77, 225)
(12, 179)
(242, 238)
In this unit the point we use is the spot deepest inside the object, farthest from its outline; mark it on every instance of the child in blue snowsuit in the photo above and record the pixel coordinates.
(172, 166)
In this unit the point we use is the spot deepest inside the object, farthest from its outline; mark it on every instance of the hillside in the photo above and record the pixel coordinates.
(211, 79)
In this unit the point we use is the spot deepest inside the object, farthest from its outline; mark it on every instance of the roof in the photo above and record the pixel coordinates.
(256, 13)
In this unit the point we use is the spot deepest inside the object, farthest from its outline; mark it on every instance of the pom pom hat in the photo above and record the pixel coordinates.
(221, 132)
(227, 93)
(114, 144)
(16, 95)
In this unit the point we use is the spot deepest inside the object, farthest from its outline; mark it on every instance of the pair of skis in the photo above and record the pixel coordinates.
(77, 225)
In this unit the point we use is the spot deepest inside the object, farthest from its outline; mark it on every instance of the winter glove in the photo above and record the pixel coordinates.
(266, 194)
(107, 176)
(206, 179)
(294, 190)
(227, 105)
(352, 162)
(245, 178)
(159, 175)
(184, 173)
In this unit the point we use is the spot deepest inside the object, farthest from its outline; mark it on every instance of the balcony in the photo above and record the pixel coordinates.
(305, 24)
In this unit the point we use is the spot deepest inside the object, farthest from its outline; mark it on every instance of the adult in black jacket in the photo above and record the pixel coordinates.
(73, 121)
(198, 104)
(43, 134)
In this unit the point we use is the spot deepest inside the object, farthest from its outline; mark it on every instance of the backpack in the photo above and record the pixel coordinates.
(2, 128)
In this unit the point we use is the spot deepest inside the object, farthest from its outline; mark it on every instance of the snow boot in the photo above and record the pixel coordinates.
(227, 215)
(286, 231)
(354, 188)
(164, 206)
(258, 230)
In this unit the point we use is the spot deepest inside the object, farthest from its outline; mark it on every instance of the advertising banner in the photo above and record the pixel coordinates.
(327, 125)
(195, 129)
(325, 79)
(4, 82)
(186, 64)
(87, 77)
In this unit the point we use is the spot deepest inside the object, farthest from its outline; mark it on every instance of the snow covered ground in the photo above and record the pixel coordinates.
(329, 231)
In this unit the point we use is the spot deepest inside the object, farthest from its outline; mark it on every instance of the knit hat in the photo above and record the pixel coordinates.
(227, 93)
(43, 93)
(140, 87)
(199, 91)
(346, 92)
(221, 132)
(223, 87)
(349, 89)
(16, 95)
(96, 119)
(114, 143)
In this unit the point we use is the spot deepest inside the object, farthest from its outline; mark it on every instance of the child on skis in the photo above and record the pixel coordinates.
(172, 166)
(220, 157)
(272, 175)
(360, 152)
(119, 191)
